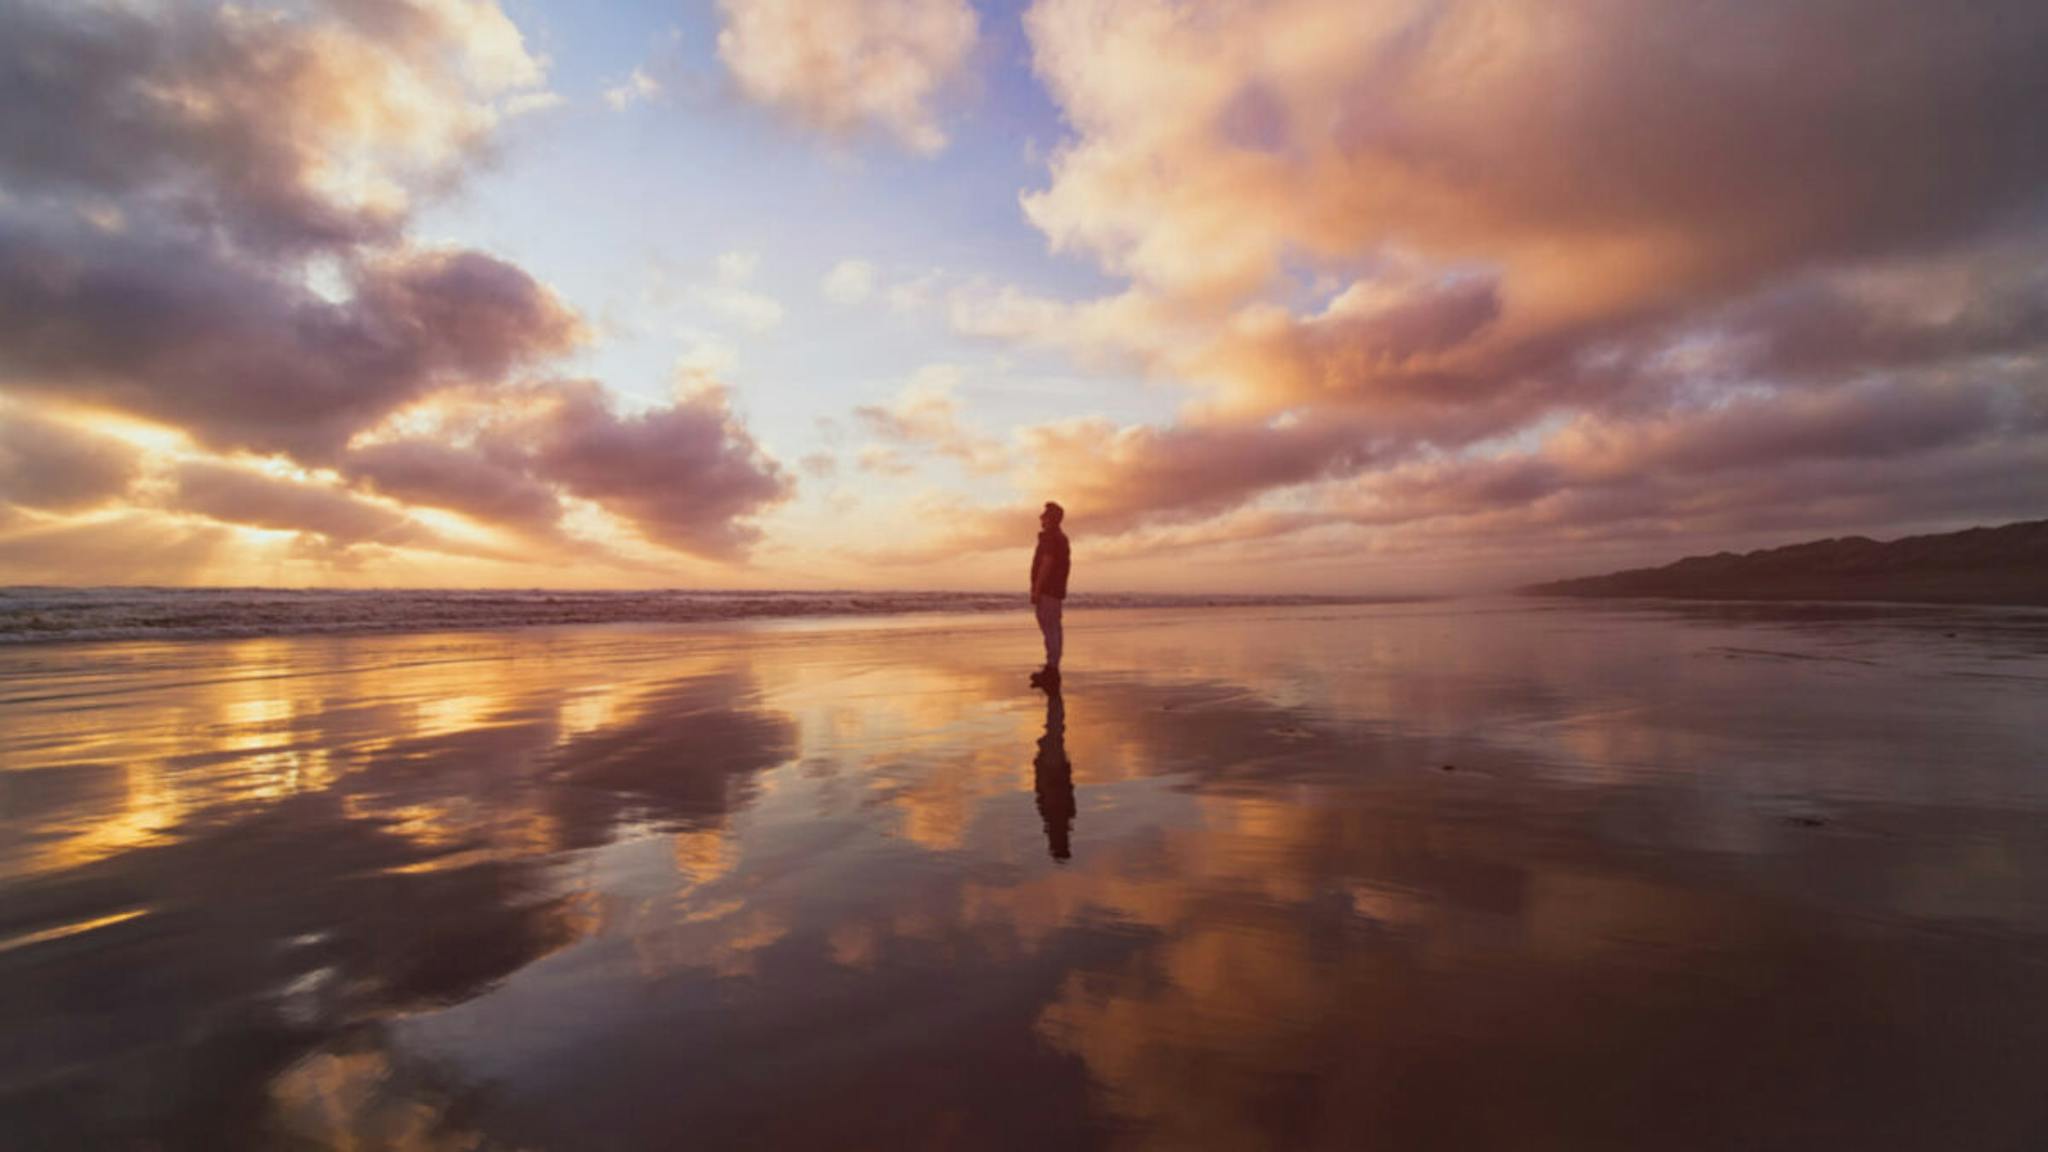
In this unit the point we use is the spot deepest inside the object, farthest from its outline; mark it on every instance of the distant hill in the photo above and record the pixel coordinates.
(2006, 565)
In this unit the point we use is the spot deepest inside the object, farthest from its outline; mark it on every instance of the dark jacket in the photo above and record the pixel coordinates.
(1052, 551)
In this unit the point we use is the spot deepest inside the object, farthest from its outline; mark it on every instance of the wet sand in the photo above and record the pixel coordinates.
(1457, 875)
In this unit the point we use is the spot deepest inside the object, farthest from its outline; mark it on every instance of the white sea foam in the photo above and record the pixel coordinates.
(46, 615)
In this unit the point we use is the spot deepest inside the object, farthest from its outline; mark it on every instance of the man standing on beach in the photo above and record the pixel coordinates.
(1049, 588)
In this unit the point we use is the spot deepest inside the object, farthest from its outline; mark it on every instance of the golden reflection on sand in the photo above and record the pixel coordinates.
(136, 805)
(259, 721)
(589, 710)
(355, 1101)
(1280, 887)
(61, 931)
(853, 945)
(442, 715)
(701, 857)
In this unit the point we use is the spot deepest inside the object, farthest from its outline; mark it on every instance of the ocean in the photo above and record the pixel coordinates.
(50, 614)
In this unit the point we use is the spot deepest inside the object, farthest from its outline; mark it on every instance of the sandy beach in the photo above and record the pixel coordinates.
(1470, 874)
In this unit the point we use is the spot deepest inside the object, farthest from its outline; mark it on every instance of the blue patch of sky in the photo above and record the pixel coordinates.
(605, 203)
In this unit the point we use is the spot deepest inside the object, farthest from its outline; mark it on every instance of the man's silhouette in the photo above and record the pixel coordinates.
(1052, 778)
(1049, 588)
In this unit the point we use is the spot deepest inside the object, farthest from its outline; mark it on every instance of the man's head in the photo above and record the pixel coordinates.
(1051, 517)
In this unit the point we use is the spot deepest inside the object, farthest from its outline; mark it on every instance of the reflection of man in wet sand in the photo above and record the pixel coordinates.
(1049, 566)
(1053, 778)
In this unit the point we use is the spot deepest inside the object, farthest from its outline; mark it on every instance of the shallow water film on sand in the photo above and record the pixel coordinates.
(1453, 875)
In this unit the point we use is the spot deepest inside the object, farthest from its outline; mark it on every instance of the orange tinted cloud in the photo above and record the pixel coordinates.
(277, 129)
(1414, 240)
(1215, 143)
(687, 475)
(204, 228)
(47, 464)
(243, 357)
(846, 65)
(927, 415)
(260, 500)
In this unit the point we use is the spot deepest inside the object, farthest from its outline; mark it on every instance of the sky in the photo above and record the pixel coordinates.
(1284, 296)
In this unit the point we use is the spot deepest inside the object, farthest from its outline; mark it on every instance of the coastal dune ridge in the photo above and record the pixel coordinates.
(30, 615)
(2007, 564)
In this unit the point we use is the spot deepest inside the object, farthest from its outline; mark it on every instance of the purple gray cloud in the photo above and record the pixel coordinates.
(204, 217)
(1785, 258)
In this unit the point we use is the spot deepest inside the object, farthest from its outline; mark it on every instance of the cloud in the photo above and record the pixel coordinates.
(1600, 154)
(489, 50)
(237, 495)
(729, 295)
(1873, 421)
(1416, 241)
(926, 415)
(687, 475)
(880, 460)
(841, 66)
(1694, 428)
(637, 88)
(737, 267)
(484, 486)
(205, 228)
(1117, 480)
(127, 548)
(1121, 477)
(1854, 459)
(1961, 308)
(275, 130)
(1674, 148)
(1537, 518)
(222, 145)
(1429, 274)
(704, 354)
(52, 465)
(1378, 341)
(240, 355)
(849, 282)
(1132, 329)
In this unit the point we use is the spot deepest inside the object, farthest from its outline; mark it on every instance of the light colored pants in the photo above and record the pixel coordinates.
(1049, 623)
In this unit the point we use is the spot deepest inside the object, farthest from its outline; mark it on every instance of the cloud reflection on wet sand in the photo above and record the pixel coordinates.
(1382, 877)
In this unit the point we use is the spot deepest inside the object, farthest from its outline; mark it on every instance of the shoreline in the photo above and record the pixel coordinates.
(37, 616)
